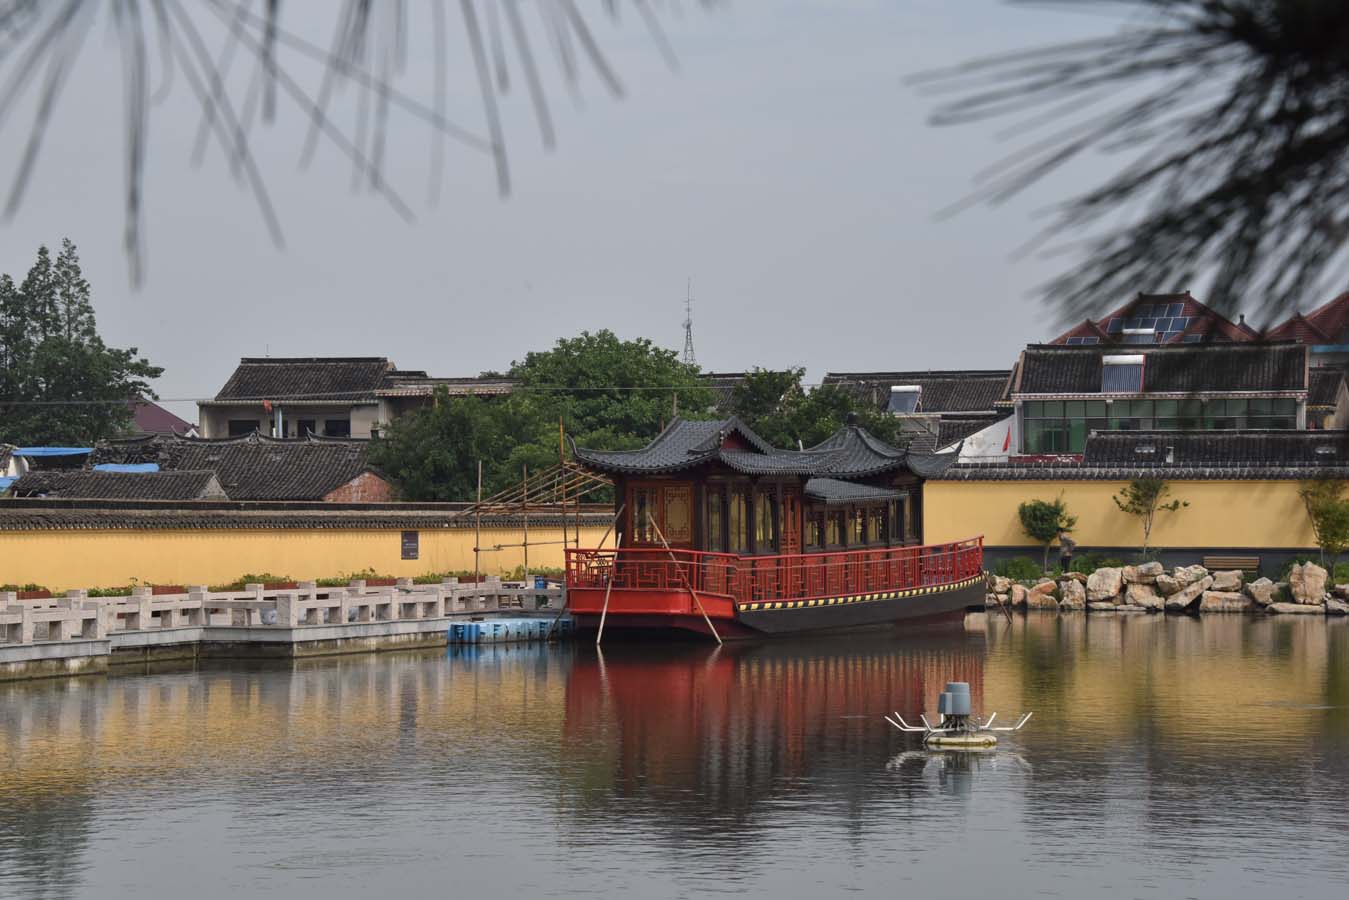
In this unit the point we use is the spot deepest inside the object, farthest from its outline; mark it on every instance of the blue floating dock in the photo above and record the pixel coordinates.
(510, 631)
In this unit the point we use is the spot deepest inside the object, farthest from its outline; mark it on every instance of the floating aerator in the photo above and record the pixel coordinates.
(959, 727)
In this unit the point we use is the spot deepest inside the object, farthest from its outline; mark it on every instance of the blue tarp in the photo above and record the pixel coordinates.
(6, 481)
(52, 451)
(127, 467)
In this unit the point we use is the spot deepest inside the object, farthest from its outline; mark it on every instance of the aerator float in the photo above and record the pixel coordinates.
(959, 728)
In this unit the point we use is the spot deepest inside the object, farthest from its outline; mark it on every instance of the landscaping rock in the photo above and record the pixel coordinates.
(1130, 608)
(1337, 607)
(1262, 591)
(1228, 580)
(1079, 577)
(1072, 595)
(1225, 601)
(1303, 608)
(1017, 595)
(1101, 606)
(1187, 597)
(1307, 584)
(1341, 591)
(1104, 585)
(1188, 575)
(1144, 595)
(1144, 574)
(1001, 584)
(990, 600)
(1041, 600)
(1168, 585)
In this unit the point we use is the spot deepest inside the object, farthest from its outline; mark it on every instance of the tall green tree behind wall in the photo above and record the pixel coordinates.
(606, 392)
(59, 383)
(786, 414)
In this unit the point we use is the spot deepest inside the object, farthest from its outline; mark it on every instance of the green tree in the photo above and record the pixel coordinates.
(59, 383)
(1043, 520)
(1328, 511)
(1144, 498)
(610, 392)
(777, 406)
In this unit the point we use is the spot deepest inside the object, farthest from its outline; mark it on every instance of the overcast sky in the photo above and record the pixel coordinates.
(786, 167)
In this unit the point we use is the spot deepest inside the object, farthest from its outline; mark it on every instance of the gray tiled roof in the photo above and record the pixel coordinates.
(1169, 368)
(943, 391)
(685, 444)
(1173, 455)
(319, 378)
(832, 491)
(93, 485)
(859, 453)
(1324, 385)
(252, 467)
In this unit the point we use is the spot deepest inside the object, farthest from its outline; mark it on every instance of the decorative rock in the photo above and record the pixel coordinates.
(1262, 591)
(990, 600)
(1144, 574)
(1001, 584)
(1101, 606)
(1307, 584)
(1046, 586)
(1079, 577)
(1185, 598)
(1072, 595)
(1188, 575)
(1304, 608)
(1018, 595)
(1225, 601)
(1168, 585)
(1227, 580)
(1130, 608)
(1144, 595)
(1341, 591)
(1104, 585)
(1041, 600)
(1336, 607)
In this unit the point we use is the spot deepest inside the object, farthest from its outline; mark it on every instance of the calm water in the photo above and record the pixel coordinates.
(1167, 758)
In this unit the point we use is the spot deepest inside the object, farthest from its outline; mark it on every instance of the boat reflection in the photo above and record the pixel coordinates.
(713, 732)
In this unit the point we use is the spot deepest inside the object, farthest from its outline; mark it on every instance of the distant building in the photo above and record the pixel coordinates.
(1159, 319)
(326, 396)
(253, 467)
(1325, 330)
(1061, 394)
(149, 417)
(938, 409)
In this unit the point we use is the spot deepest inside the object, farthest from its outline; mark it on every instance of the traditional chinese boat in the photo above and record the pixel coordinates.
(720, 533)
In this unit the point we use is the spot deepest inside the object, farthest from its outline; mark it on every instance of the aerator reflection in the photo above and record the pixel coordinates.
(958, 727)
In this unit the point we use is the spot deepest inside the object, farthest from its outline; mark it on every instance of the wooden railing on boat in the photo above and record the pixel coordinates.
(801, 576)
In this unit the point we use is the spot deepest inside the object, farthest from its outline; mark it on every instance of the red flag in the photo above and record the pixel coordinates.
(1007, 441)
(267, 405)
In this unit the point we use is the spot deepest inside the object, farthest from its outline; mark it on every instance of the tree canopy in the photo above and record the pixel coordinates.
(59, 383)
(784, 413)
(605, 392)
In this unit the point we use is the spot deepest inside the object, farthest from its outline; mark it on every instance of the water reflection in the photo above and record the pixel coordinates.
(1208, 755)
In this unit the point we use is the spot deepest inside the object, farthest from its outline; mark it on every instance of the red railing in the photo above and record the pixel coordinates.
(800, 576)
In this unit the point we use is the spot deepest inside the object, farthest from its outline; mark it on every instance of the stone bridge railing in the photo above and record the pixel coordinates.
(77, 616)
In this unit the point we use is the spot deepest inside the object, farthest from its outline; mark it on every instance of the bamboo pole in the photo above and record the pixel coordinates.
(609, 586)
(524, 507)
(688, 584)
(477, 530)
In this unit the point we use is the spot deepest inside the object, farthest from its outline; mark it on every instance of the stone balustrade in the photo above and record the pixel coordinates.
(77, 616)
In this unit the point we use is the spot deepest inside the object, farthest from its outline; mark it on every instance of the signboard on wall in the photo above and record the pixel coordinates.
(410, 540)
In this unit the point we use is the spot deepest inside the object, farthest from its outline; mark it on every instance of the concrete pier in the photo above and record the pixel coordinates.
(79, 635)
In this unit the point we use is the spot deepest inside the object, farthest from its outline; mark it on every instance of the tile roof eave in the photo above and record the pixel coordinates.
(997, 472)
(291, 401)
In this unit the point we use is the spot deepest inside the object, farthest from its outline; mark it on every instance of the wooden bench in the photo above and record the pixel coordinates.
(1249, 565)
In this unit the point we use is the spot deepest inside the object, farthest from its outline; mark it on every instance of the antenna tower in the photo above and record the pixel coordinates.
(689, 358)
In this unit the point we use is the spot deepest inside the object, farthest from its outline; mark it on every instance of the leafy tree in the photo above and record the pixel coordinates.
(610, 392)
(1329, 513)
(784, 413)
(1043, 520)
(1144, 498)
(59, 383)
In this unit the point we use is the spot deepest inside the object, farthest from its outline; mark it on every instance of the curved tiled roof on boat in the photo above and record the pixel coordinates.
(833, 492)
(685, 444)
(859, 453)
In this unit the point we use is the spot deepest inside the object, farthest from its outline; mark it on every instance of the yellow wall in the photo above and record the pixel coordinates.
(62, 560)
(1259, 514)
